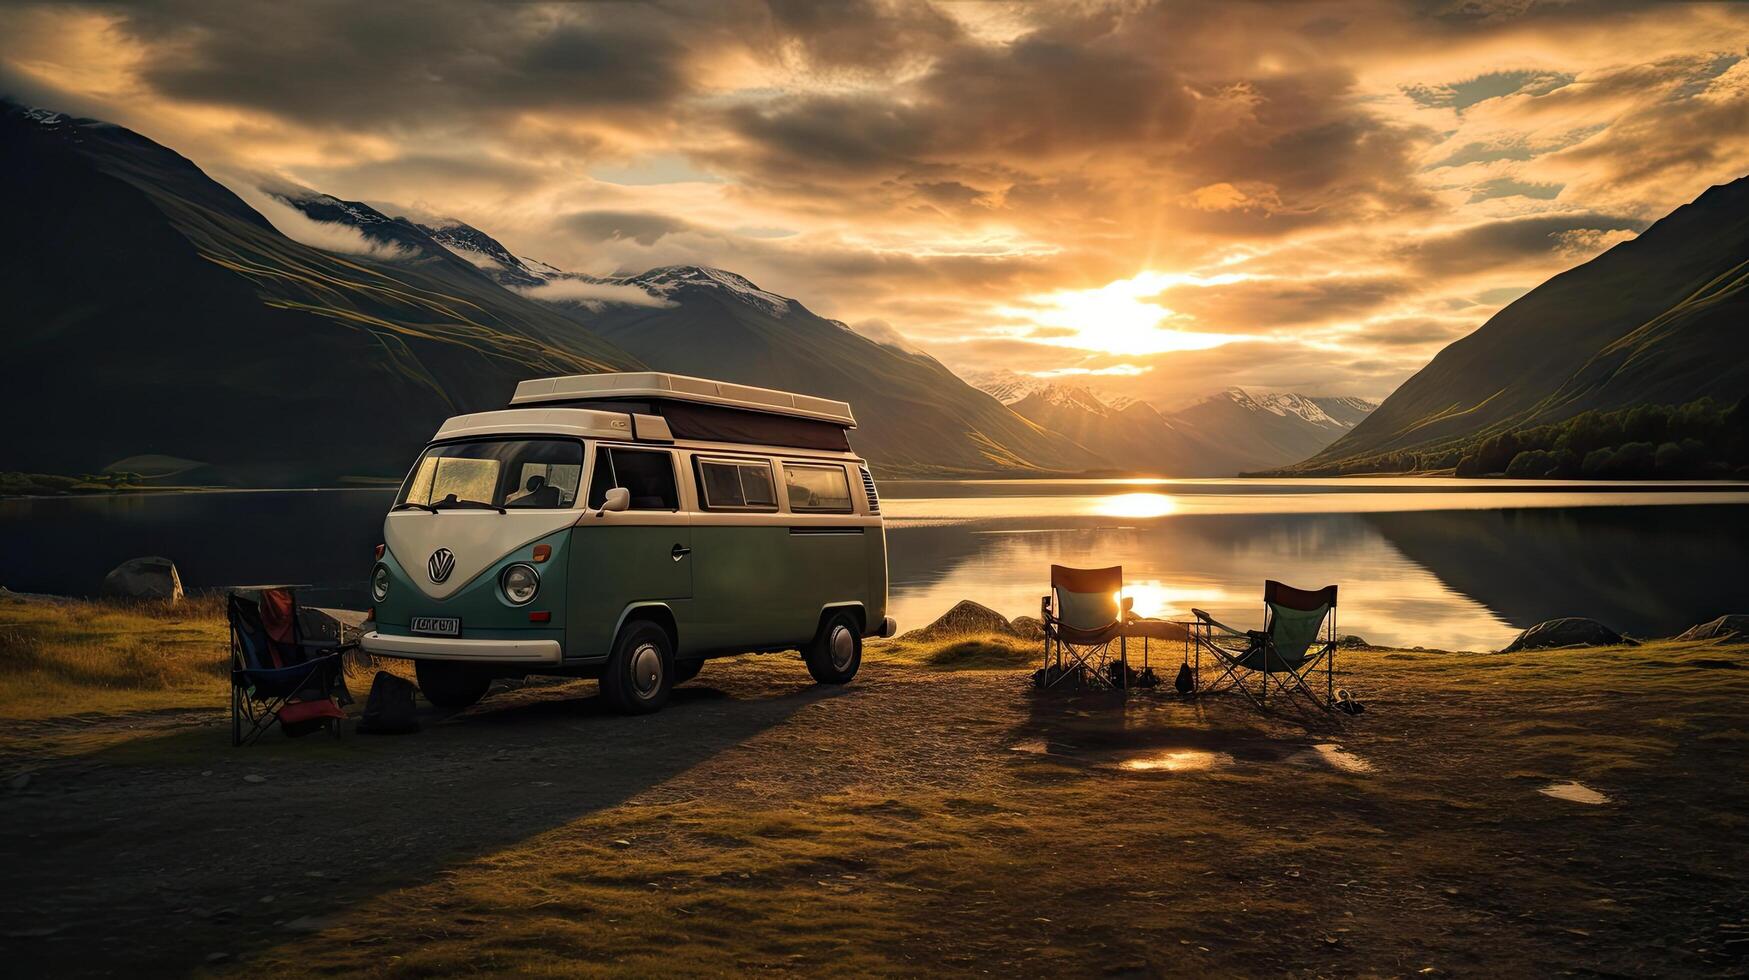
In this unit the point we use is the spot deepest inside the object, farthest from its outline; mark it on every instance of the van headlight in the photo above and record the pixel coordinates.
(379, 582)
(520, 583)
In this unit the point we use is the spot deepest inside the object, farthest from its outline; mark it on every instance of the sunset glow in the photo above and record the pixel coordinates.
(1314, 195)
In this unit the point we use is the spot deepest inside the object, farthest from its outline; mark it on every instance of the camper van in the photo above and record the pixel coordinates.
(629, 527)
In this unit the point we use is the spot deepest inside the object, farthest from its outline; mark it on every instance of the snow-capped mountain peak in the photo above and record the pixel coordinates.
(1282, 403)
(473, 245)
(668, 279)
(1011, 388)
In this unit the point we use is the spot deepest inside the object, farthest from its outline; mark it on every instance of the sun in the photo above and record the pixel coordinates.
(1121, 317)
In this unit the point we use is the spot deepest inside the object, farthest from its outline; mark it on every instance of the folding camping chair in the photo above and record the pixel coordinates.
(1298, 636)
(277, 676)
(1082, 616)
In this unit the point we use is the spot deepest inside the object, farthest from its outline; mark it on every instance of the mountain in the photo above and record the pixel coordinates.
(1231, 432)
(154, 313)
(1655, 320)
(913, 414)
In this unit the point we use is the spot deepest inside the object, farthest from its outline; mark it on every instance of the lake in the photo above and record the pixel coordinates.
(1453, 564)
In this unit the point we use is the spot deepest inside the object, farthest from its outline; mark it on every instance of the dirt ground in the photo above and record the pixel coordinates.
(915, 821)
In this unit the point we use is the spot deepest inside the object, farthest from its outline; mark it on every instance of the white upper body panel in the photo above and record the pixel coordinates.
(679, 387)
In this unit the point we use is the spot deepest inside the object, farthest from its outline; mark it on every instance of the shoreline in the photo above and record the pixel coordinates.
(1401, 482)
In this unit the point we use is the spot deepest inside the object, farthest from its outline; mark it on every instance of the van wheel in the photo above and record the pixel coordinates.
(449, 685)
(685, 670)
(640, 671)
(836, 652)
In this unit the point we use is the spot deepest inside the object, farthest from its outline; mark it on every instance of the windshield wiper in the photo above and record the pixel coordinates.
(450, 504)
(413, 505)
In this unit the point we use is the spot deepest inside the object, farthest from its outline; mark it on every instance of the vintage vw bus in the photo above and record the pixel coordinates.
(630, 527)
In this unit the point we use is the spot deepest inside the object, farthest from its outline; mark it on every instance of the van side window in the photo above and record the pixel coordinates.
(735, 484)
(648, 474)
(817, 489)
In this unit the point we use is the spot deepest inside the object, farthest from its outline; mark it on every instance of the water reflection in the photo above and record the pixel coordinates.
(1420, 563)
(1134, 505)
(1447, 564)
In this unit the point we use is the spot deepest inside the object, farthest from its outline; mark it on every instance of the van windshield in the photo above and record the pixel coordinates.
(508, 473)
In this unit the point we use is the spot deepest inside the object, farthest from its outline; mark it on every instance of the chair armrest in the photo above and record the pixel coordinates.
(1211, 621)
(1044, 609)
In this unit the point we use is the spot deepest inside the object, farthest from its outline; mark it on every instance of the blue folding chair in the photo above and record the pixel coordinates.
(278, 677)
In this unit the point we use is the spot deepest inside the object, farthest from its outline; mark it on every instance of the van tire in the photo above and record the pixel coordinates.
(640, 671)
(836, 652)
(451, 685)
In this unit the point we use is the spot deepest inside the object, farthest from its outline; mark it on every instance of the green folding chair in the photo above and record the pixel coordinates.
(1298, 640)
(1083, 617)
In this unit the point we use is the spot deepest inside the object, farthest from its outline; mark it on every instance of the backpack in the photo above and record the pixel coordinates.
(389, 709)
(1183, 682)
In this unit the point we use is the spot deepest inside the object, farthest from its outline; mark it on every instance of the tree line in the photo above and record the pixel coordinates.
(1701, 439)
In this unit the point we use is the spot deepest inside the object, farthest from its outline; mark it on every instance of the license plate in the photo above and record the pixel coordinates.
(437, 626)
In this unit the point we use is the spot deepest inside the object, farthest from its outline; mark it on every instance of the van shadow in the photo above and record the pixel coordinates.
(161, 852)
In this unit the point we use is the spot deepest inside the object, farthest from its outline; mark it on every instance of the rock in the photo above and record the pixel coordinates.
(1731, 629)
(968, 617)
(254, 778)
(144, 578)
(20, 781)
(1573, 631)
(1353, 642)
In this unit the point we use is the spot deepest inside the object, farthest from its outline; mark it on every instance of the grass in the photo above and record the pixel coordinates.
(972, 651)
(72, 655)
(1053, 859)
(938, 816)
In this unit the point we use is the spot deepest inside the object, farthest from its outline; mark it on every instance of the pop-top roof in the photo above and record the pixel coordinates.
(653, 384)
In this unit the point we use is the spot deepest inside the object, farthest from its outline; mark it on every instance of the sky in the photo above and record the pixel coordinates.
(1157, 199)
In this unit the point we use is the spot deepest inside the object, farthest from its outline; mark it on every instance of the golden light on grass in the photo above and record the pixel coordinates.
(1177, 760)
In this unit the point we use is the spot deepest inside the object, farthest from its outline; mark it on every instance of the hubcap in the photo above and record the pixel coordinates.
(646, 670)
(843, 647)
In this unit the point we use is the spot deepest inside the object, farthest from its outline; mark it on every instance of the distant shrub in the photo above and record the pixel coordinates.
(1533, 464)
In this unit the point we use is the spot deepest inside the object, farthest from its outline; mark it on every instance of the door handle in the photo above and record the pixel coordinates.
(679, 552)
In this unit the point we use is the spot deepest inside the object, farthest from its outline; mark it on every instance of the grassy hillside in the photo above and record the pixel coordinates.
(1656, 320)
(1702, 439)
(913, 414)
(151, 311)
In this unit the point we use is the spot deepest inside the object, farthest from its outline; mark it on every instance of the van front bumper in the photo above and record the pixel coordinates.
(478, 651)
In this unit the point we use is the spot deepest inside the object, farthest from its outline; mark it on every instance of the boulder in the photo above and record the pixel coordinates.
(965, 619)
(1573, 631)
(1731, 629)
(1030, 627)
(144, 578)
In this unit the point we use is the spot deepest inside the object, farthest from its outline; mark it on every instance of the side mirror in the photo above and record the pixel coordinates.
(618, 499)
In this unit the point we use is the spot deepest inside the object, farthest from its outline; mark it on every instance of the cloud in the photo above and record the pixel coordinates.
(592, 294)
(330, 235)
(644, 227)
(1373, 171)
(1494, 244)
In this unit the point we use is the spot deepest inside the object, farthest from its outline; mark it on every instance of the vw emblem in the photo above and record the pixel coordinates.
(441, 563)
